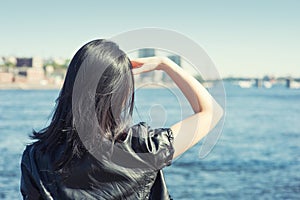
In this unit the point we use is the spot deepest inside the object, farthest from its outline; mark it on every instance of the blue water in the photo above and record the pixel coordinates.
(256, 157)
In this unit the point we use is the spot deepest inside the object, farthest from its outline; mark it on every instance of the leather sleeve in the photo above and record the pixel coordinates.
(157, 144)
(28, 188)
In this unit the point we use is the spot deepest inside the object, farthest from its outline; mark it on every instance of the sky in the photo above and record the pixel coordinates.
(242, 37)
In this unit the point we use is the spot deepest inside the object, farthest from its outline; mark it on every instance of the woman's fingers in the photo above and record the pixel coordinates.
(147, 67)
(136, 64)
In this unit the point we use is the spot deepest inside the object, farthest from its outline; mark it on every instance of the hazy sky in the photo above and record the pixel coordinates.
(247, 38)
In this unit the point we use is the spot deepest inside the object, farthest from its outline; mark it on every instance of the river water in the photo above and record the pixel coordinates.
(257, 155)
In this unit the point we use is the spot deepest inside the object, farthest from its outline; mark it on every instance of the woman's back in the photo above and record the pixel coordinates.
(149, 150)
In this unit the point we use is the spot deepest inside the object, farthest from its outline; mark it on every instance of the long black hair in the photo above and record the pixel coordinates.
(61, 134)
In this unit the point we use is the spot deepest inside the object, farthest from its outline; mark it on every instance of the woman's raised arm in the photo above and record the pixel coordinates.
(208, 112)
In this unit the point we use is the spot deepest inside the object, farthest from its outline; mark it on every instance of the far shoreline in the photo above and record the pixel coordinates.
(37, 86)
(29, 86)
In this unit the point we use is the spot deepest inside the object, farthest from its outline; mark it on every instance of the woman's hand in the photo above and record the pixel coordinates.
(142, 65)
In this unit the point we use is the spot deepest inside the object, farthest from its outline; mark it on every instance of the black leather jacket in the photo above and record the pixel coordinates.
(88, 178)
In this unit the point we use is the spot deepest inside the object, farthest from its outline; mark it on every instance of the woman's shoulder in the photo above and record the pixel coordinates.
(32, 156)
(27, 156)
(28, 150)
(154, 143)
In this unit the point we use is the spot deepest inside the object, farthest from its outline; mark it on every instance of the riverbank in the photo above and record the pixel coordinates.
(29, 86)
(37, 86)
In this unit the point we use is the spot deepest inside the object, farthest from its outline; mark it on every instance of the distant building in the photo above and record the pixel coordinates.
(35, 74)
(24, 62)
(30, 70)
(6, 77)
(37, 62)
(176, 59)
(34, 62)
(147, 52)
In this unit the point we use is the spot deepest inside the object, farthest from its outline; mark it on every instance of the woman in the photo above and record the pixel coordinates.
(61, 164)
